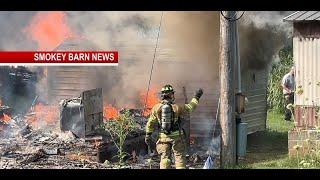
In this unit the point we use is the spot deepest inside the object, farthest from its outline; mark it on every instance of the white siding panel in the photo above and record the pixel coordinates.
(306, 58)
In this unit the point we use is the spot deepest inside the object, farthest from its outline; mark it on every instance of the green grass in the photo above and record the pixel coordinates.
(276, 123)
(269, 149)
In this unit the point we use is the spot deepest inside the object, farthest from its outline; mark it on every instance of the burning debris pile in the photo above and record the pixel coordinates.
(35, 140)
(24, 147)
(24, 144)
(40, 149)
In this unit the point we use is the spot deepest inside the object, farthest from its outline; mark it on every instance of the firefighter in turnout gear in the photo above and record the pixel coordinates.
(166, 115)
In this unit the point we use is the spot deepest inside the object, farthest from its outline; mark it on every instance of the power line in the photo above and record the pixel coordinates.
(234, 16)
(154, 57)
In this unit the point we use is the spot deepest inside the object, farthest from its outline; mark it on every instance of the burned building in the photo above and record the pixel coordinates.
(175, 64)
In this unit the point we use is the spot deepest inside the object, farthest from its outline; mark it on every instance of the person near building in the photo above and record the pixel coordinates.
(288, 86)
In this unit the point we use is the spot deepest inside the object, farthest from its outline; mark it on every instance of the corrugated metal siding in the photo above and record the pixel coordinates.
(255, 88)
(303, 16)
(306, 54)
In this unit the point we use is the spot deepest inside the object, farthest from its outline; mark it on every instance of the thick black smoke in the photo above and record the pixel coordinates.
(261, 35)
(259, 45)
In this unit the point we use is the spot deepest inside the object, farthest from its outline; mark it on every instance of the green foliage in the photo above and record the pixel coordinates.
(119, 128)
(269, 149)
(279, 69)
(307, 162)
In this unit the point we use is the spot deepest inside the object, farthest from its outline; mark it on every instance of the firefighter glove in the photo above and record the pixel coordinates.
(198, 94)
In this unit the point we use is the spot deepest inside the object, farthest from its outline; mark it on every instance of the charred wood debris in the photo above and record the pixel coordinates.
(22, 147)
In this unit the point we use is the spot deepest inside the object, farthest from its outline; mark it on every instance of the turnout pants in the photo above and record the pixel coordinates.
(167, 145)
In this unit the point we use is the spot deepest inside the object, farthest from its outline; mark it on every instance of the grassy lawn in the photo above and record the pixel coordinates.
(269, 149)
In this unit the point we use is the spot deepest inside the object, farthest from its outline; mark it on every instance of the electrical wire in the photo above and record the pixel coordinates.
(234, 16)
(154, 57)
(157, 42)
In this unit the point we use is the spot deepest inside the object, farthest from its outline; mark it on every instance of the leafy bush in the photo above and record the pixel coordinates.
(119, 128)
(279, 69)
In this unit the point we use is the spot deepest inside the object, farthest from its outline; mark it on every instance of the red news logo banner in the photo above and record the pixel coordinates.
(59, 58)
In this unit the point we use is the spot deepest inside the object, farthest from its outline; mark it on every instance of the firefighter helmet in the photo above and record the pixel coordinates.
(167, 89)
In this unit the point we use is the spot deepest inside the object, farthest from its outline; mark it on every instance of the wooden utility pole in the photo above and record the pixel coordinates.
(227, 88)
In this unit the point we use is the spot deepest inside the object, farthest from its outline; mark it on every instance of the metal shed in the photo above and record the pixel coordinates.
(306, 55)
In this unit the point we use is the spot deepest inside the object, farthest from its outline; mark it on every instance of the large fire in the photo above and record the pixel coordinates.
(149, 101)
(43, 115)
(49, 29)
(110, 112)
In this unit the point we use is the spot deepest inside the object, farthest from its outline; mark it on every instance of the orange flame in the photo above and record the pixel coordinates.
(6, 118)
(49, 29)
(110, 112)
(44, 115)
(152, 100)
